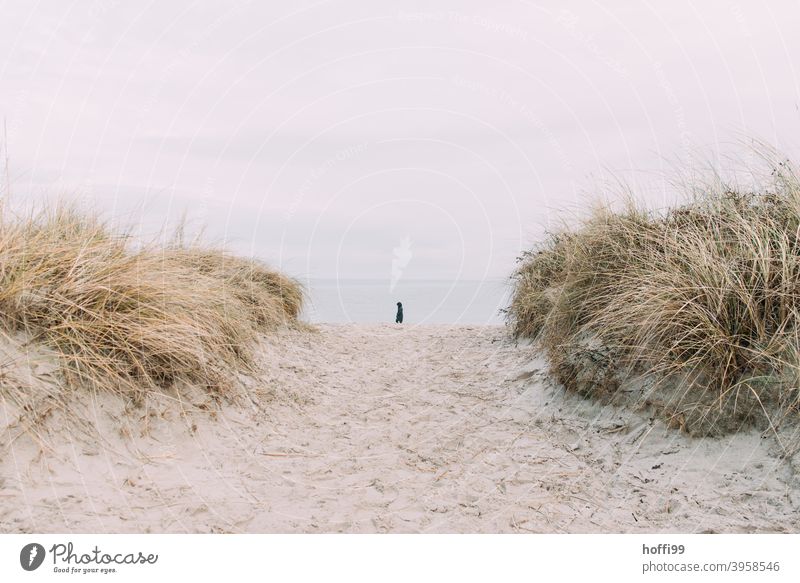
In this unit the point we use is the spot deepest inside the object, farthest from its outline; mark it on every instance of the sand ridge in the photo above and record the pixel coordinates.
(386, 428)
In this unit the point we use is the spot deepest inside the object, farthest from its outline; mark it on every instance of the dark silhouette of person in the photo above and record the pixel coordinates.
(399, 318)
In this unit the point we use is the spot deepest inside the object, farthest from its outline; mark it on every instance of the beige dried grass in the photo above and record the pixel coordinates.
(703, 299)
(135, 318)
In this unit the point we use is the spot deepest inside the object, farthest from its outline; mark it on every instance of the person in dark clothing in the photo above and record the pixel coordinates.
(399, 318)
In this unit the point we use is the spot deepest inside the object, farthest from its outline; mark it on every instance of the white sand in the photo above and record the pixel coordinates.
(385, 429)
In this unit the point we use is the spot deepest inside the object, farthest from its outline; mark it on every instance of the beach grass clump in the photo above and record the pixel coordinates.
(269, 296)
(130, 317)
(702, 301)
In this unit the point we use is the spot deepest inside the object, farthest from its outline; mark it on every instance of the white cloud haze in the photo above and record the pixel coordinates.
(319, 135)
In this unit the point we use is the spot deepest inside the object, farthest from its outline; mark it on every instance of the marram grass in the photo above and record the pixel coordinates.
(702, 300)
(131, 318)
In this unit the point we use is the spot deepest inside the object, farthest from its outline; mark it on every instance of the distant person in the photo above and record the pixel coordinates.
(399, 318)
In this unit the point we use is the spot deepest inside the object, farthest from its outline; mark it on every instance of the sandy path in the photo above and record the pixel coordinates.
(398, 429)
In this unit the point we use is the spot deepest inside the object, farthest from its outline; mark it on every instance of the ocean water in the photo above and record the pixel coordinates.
(424, 301)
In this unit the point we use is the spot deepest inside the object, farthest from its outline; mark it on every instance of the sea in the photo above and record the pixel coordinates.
(425, 301)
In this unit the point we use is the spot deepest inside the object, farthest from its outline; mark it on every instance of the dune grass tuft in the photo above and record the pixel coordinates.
(135, 318)
(702, 300)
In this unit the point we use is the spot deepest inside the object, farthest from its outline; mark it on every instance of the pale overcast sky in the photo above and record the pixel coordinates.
(324, 136)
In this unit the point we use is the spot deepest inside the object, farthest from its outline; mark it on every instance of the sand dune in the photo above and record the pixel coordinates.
(359, 428)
